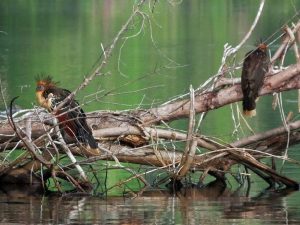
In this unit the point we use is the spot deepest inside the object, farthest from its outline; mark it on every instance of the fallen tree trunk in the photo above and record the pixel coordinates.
(134, 136)
(283, 81)
(220, 158)
(118, 125)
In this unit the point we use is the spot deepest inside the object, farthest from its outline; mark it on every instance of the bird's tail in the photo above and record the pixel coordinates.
(87, 137)
(250, 113)
(249, 106)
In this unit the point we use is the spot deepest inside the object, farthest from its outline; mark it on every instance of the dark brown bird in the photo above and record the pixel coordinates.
(71, 117)
(255, 67)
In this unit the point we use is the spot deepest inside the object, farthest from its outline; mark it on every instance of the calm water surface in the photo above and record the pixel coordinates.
(213, 205)
(63, 38)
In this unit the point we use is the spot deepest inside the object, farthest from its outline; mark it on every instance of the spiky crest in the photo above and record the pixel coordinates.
(45, 80)
(263, 46)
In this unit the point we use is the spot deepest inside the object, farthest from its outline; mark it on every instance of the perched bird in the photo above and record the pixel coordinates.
(255, 67)
(71, 118)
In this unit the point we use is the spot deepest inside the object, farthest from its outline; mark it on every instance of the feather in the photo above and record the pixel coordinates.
(255, 67)
(72, 119)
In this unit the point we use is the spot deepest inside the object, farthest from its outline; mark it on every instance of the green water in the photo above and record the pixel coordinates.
(64, 38)
(180, 44)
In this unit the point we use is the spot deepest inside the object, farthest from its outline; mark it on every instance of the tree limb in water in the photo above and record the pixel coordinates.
(133, 136)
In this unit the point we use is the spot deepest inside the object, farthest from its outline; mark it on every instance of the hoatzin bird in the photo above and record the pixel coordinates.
(71, 118)
(255, 67)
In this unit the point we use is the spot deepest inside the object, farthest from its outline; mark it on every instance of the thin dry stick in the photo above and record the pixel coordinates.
(49, 137)
(125, 40)
(296, 51)
(285, 43)
(282, 114)
(222, 152)
(259, 12)
(156, 152)
(298, 100)
(28, 128)
(104, 62)
(154, 133)
(191, 142)
(71, 179)
(228, 50)
(298, 38)
(135, 176)
(188, 160)
(29, 145)
(69, 153)
(248, 160)
(56, 183)
(293, 40)
(264, 135)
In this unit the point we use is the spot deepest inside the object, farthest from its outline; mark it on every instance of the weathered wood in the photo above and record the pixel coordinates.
(33, 131)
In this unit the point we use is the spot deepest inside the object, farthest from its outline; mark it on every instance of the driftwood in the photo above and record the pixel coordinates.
(110, 127)
(141, 136)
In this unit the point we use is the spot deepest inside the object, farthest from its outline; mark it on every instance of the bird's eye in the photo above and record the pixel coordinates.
(40, 88)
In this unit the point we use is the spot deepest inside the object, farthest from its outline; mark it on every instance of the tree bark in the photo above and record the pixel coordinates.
(132, 136)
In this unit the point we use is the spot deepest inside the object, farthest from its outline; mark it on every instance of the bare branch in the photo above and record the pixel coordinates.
(69, 153)
(283, 81)
(104, 62)
(191, 143)
(259, 12)
(261, 136)
(293, 40)
(285, 44)
(31, 148)
(152, 132)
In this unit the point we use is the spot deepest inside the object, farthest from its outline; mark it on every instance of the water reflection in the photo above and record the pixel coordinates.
(213, 204)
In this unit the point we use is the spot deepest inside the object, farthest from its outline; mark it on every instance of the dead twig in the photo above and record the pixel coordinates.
(251, 162)
(29, 145)
(293, 41)
(63, 144)
(191, 142)
(104, 62)
(286, 43)
(154, 133)
(264, 135)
